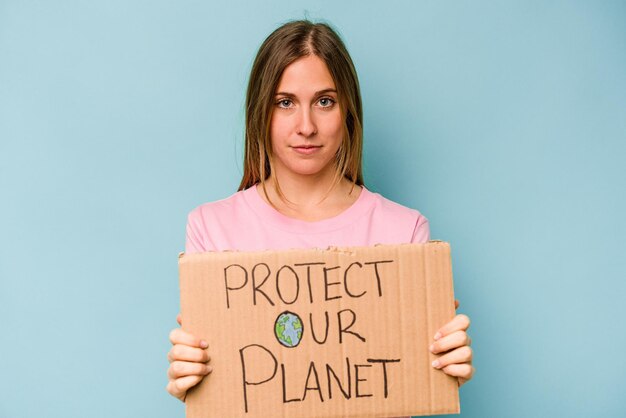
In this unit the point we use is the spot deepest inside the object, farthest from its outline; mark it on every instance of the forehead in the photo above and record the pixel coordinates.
(304, 74)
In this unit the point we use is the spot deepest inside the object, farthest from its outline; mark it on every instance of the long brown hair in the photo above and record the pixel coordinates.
(285, 45)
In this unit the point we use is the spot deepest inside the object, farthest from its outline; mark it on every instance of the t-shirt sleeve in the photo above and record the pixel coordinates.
(421, 233)
(195, 228)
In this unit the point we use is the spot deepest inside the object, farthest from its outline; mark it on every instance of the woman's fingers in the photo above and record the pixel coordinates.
(447, 343)
(458, 323)
(178, 336)
(180, 369)
(463, 371)
(179, 387)
(457, 356)
(463, 380)
(187, 353)
(188, 358)
(179, 319)
(452, 339)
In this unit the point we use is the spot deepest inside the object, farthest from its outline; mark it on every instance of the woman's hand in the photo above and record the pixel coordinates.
(452, 339)
(188, 362)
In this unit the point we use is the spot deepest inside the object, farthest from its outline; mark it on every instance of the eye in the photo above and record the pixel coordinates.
(284, 103)
(326, 102)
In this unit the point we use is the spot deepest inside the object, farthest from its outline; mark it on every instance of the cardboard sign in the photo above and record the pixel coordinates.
(320, 333)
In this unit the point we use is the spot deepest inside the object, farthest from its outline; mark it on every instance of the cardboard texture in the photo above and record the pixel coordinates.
(320, 333)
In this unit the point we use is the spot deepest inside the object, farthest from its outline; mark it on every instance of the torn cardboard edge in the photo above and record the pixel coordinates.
(329, 248)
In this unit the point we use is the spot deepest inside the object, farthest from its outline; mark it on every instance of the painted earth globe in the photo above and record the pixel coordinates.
(288, 329)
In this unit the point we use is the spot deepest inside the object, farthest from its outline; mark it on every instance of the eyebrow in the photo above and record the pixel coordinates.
(317, 93)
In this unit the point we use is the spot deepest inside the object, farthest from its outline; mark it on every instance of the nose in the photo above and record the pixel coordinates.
(306, 123)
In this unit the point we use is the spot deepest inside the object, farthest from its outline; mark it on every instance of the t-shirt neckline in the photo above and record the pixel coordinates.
(268, 214)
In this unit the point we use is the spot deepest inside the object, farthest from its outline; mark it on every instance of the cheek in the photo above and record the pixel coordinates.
(339, 128)
(334, 128)
(279, 129)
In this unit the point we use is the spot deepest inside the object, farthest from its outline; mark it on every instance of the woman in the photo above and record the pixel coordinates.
(302, 184)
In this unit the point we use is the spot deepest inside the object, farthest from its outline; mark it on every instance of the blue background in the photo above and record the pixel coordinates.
(503, 122)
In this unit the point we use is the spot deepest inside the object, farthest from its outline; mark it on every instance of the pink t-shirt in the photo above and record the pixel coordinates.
(245, 222)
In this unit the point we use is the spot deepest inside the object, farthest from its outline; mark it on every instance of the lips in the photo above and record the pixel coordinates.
(306, 149)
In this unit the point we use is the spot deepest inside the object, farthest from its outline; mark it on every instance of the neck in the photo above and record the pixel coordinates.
(311, 198)
(303, 190)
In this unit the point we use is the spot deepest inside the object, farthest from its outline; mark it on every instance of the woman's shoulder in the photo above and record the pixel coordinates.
(398, 216)
(390, 208)
(211, 225)
(219, 208)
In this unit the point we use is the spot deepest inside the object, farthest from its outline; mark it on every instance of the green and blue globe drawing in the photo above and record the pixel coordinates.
(288, 329)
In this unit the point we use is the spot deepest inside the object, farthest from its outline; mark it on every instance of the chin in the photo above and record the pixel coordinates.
(309, 170)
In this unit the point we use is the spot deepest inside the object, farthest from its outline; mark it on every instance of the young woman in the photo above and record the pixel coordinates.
(302, 184)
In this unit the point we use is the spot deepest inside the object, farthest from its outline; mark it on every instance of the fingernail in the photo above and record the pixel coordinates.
(203, 344)
(432, 348)
(437, 335)
(436, 364)
(209, 369)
